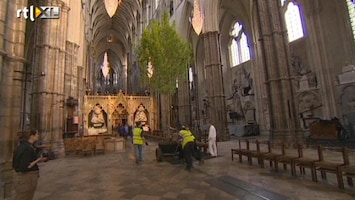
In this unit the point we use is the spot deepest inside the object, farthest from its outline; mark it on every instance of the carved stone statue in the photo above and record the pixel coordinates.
(242, 88)
(309, 108)
(141, 114)
(306, 79)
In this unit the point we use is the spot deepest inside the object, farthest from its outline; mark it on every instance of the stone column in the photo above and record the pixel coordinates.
(48, 92)
(321, 61)
(216, 109)
(284, 123)
(184, 103)
(72, 81)
(12, 80)
(71, 70)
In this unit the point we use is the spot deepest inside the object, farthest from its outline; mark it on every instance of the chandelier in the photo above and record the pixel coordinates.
(111, 6)
(150, 70)
(197, 18)
(105, 68)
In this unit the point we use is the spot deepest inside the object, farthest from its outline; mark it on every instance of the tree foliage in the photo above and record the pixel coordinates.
(168, 53)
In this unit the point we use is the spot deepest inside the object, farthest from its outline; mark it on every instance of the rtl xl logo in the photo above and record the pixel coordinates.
(43, 12)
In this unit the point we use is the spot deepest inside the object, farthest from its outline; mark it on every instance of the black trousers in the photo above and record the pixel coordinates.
(190, 151)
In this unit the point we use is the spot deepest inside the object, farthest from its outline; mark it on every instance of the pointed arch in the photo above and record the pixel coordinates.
(351, 9)
(239, 46)
(293, 19)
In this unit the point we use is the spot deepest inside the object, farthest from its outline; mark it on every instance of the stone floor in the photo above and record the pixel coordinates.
(116, 176)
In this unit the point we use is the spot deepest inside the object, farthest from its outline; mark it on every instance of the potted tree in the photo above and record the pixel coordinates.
(163, 57)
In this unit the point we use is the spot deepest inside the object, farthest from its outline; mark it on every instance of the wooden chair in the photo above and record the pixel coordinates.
(286, 160)
(303, 162)
(242, 150)
(234, 151)
(331, 167)
(258, 153)
(347, 170)
(269, 155)
(255, 152)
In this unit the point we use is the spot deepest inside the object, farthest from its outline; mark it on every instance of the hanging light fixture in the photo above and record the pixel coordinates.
(109, 38)
(105, 67)
(111, 6)
(150, 70)
(197, 18)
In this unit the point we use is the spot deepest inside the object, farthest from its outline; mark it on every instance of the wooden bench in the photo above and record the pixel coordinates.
(70, 145)
(99, 145)
(325, 129)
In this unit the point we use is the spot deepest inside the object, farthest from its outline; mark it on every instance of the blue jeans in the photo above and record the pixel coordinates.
(138, 149)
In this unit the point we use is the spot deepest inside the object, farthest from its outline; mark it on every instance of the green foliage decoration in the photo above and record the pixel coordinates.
(168, 53)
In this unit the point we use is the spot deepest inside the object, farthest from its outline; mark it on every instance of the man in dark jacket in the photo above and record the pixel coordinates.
(25, 161)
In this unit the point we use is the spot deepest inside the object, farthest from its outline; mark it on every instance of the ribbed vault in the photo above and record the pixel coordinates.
(113, 35)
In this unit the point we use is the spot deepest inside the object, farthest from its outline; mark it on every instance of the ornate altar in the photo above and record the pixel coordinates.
(105, 114)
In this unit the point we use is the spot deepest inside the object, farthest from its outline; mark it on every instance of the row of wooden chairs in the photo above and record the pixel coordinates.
(84, 145)
(320, 163)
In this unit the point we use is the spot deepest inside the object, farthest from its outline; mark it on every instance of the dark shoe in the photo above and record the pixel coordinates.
(201, 162)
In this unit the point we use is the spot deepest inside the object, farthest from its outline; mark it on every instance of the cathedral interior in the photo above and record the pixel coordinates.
(278, 69)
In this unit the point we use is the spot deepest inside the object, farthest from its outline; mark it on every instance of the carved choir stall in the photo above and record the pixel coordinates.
(104, 115)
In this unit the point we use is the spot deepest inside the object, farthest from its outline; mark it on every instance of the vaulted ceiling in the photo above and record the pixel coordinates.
(114, 35)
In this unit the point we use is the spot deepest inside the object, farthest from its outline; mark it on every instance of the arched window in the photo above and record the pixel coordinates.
(293, 20)
(351, 9)
(239, 48)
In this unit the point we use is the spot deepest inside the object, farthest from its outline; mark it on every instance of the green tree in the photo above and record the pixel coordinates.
(168, 53)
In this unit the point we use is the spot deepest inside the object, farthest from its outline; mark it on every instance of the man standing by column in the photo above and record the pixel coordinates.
(212, 146)
(25, 160)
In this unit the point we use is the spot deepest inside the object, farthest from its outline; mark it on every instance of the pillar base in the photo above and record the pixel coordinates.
(6, 180)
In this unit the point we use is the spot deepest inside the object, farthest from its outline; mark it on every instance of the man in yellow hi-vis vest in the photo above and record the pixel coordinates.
(188, 146)
(138, 142)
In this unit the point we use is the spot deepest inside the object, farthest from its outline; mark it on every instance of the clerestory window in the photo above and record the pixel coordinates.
(293, 20)
(351, 9)
(239, 48)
